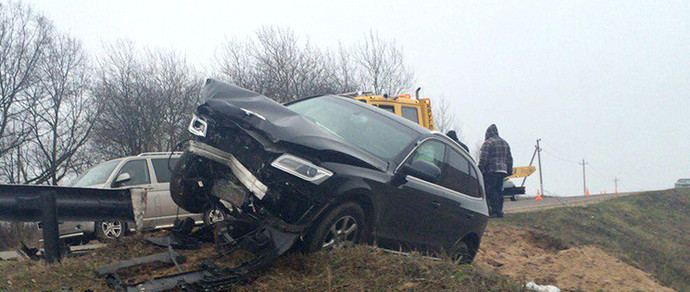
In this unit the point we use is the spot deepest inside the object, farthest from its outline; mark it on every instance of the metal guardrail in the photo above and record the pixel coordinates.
(52, 204)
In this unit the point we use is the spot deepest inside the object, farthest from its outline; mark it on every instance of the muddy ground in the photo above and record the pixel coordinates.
(527, 255)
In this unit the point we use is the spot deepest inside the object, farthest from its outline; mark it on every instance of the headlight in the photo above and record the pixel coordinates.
(198, 126)
(301, 168)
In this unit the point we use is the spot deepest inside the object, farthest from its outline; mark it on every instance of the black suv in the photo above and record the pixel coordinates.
(329, 171)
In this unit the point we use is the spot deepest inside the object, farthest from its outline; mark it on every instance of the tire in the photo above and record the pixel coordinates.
(110, 230)
(513, 198)
(343, 226)
(186, 195)
(463, 253)
(213, 215)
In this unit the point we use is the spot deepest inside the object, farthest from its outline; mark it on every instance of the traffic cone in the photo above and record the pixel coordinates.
(587, 193)
(539, 198)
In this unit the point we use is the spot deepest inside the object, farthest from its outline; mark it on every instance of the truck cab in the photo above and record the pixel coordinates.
(417, 110)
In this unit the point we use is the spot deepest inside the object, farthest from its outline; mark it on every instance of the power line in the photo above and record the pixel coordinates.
(559, 158)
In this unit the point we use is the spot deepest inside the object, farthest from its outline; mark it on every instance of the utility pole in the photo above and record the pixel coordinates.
(584, 177)
(615, 181)
(541, 181)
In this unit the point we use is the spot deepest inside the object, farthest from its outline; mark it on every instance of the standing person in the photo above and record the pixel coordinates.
(495, 163)
(451, 134)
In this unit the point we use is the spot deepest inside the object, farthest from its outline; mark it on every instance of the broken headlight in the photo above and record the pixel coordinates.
(301, 168)
(198, 126)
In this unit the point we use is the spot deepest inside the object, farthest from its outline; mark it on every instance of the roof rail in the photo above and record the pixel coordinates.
(158, 153)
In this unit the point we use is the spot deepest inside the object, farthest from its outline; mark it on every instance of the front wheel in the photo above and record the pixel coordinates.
(213, 215)
(341, 227)
(110, 230)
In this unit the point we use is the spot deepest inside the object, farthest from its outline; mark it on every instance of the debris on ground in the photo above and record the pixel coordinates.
(527, 254)
(531, 286)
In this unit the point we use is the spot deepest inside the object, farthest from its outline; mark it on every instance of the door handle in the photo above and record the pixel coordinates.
(469, 215)
(435, 204)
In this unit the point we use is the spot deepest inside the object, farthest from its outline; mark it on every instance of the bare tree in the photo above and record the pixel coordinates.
(277, 64)
(147, 97)
(63, 113)
(23, 38)
(444, 117)
(381, 66)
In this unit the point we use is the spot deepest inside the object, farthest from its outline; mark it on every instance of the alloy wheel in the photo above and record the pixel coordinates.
(111, 229)
(215, 215)
(342, 233)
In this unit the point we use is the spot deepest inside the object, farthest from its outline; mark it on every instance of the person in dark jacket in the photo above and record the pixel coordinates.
(495, 163)
(451, 134)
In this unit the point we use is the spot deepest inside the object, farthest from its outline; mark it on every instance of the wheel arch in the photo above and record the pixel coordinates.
(472, 240)
(360, 193)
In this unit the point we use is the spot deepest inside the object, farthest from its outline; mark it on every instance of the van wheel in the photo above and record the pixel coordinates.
(463, 254)
(110, 230)
(341, 227)
(214, 215)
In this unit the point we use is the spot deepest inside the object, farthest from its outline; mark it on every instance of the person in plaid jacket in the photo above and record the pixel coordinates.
(495, 163)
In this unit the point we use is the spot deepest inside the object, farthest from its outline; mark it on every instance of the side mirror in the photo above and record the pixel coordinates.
(424, 170)
(122, 178)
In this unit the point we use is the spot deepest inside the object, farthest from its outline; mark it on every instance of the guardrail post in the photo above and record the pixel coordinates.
(49, 224)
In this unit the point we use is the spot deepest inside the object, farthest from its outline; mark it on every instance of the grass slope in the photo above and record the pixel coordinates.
(360, 268)
(650, 231)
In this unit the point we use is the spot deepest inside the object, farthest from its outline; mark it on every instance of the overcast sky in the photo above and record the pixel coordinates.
(607, 81)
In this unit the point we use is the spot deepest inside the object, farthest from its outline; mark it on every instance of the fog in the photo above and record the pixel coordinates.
(607, 81)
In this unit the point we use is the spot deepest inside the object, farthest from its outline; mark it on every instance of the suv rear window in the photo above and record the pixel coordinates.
(458, 175)
(160, 167)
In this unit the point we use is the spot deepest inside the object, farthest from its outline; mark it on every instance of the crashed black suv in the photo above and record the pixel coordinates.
(329, 171)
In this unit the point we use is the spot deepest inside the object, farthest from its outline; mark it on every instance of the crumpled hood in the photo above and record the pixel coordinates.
(277, 122)
(492, 131)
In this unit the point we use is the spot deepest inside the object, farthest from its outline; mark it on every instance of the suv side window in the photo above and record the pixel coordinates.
(138, 171)
(431, 151)
(475, 186)
(457, 175)
(160, 167)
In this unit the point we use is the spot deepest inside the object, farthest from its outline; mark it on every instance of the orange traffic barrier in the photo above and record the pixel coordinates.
(539, 198)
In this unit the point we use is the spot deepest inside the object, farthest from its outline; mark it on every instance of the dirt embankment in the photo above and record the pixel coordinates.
(527, 255)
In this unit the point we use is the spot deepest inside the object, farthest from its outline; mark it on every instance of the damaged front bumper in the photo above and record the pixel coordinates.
(240, 171)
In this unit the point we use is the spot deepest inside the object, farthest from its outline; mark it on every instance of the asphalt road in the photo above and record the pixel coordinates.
(531, 204)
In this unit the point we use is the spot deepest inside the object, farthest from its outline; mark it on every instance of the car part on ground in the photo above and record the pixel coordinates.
(48, 204)
(265, 242)
(164, 257)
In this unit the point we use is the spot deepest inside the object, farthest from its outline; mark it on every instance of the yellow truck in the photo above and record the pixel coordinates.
(415, 109)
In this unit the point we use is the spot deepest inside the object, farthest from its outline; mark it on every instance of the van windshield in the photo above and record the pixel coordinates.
(97, 175)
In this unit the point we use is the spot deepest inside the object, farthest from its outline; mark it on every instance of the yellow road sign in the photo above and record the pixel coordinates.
(522, 171)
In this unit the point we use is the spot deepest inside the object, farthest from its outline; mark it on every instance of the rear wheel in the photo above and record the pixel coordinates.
(463, 254)
(341, 227)
(110, 230)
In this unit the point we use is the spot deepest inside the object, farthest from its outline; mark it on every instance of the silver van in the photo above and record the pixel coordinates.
(147, 170)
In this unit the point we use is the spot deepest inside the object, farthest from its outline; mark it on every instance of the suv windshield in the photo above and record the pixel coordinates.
(96, 175)
(359, 126)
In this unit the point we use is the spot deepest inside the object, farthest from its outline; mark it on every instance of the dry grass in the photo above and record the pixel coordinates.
(649, 231)
(355, 269)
